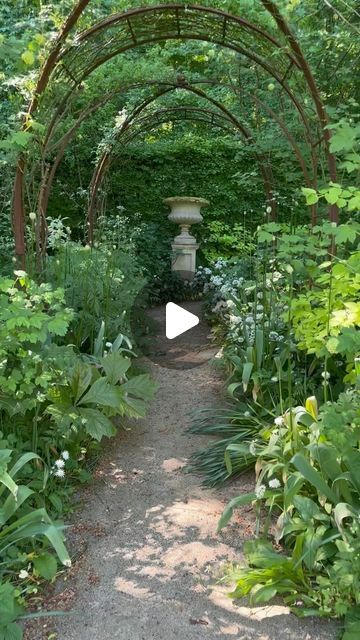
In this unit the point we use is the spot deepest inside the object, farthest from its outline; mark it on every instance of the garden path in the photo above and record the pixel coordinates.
(148, 552)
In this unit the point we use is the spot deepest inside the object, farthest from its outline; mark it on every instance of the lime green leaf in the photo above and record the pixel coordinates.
(310, 195)
(28, 57)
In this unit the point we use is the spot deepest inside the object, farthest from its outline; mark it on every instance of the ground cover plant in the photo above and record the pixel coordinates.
(88, 153)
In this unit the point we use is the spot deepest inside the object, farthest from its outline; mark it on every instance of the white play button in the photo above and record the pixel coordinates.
(178, 320)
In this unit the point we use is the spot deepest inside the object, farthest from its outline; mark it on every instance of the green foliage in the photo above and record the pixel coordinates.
(54, 404)
(100, 285)
(326, 318)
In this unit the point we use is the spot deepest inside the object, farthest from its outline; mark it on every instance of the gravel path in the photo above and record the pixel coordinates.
(150, 555)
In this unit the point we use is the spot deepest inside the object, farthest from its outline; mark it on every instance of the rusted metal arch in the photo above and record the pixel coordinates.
(62, 143)
(104, 161)
(147, 123)
(50, 172)
(296, 61)
(227, 25)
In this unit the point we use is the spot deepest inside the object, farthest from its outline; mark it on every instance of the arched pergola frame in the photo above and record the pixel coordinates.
(139, 120)
(105, 159)
(162, 88)
(72, 64)
(140, 125)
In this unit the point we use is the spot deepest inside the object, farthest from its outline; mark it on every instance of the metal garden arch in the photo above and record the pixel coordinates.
(68, 65)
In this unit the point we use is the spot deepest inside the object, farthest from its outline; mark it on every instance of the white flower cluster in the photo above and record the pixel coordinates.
(260, 489)
(58, 233)
(58, 468)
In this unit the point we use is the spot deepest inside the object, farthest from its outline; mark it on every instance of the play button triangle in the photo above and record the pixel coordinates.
(178, 320)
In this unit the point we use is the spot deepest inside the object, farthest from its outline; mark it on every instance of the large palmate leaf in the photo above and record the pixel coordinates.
(103, 393)
(141, 387)
(115, 366)
(97, 424)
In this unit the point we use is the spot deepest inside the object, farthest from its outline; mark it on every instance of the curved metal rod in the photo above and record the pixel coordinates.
(297, 60)
(104, 160)
(65, 139)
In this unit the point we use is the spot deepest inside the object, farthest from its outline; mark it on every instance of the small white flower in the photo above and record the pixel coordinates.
(108, 344)
(60, 464)
(325, 375)
(59, 473)
(274, 483)
(252, 448)
(247, 414)
(274, 379)
(279, 421)
(260, 491)
(67, 563)
(268, 209)
(65, 455)
(23, 574)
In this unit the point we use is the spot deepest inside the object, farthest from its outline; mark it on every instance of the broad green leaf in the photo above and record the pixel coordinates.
(81, 380)
(104, 394)
(313, 477)
(234, 504)
(310, 195)
(246, 374)
(97, 425)
(333, 194)
(12, 631)
(141, 386)
(115, 366)
(12, 504)
(352, 624)
(46, 566)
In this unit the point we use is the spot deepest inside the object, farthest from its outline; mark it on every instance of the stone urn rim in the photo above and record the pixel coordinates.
(190, 199)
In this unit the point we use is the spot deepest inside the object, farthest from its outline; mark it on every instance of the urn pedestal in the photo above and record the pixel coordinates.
(185, 212)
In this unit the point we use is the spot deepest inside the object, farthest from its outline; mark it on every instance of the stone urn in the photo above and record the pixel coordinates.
(185, 211)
